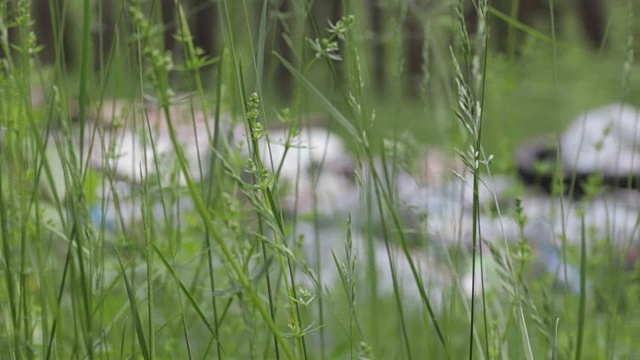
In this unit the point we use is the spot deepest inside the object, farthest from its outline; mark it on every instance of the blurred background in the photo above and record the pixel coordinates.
(543, 67)
(387, 67)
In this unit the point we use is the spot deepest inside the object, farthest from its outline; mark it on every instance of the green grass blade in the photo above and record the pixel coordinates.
(135, 314)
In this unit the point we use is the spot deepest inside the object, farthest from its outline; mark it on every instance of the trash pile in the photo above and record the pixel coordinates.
(128, 149)
(321, 184)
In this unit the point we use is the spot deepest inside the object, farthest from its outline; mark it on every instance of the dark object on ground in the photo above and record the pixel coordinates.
(537, 164)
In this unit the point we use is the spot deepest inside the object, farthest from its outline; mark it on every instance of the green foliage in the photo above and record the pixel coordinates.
(221, 279)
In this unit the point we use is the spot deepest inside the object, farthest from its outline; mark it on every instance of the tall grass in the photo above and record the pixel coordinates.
(210, 268)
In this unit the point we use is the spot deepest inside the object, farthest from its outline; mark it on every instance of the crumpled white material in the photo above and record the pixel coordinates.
(317, 176)
(605, 139)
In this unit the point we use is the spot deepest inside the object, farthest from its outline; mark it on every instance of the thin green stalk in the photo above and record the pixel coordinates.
(268, 196)
(264, 187)
(511, 32)
(215, 180)
(582, 307)
(552, 16)
(347, 273)
(185, 329)
(149, 239)
(279, 232)
(379, 191)
(215, 232)
(361, 140)
(144, 346)
(63, 283)
(8, 273)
